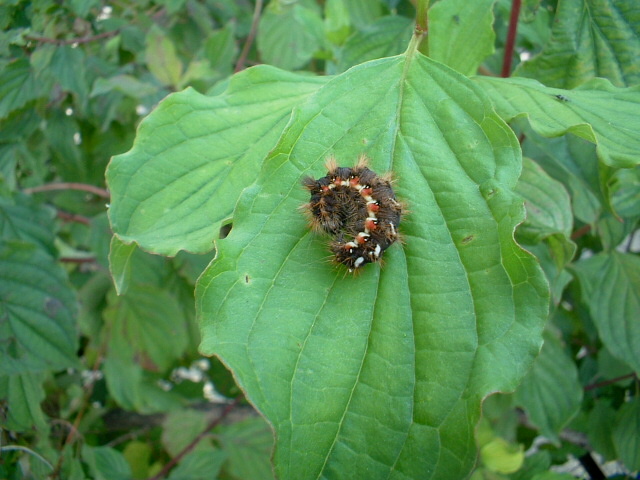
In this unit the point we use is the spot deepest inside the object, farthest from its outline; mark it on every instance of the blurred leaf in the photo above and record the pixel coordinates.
(99, 238)
(23, 394)
(194, 155)
(610, 284)
(21, 218)
(180, 428)
(363, 12)
(161, 58)
(572, 162)
(38, 306)
(172, 6)
(201, 464)
(461, 33)
(138, 454)
(333, 360)
(120, 263)
(248, 445)
(126, 84)
(220, 49)
(106, 463)
(625, 433)
(61, 133)
(82, 7)
(385, 37)
(337, 24)
(501, 456)
(68, 67)
(596, 111)
(590, 38)
(152, 321)
(600, 430)
(610, 367)
(625, 192)
(129, 385)
(554, 254)
(547, 203)
(551, 475)
(289, 34)
(533, 463)
(551, 392)
(549, 220)
(613, 231)
(18, 86)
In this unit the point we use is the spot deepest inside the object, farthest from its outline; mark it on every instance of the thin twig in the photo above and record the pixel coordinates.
(511, 39)
(214, 423)
(73, 41)
(74, 431)
(252, 35)
(72, 217)
(422, 16)
(581, 232)
(101, 192)
(127, 436)
(8, 448)
(606, 383)
(77, 259)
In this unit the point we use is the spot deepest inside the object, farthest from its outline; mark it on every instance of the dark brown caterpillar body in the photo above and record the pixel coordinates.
(358, 208)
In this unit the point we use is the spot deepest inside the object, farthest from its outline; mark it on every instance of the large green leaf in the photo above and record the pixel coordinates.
(381, 375)
(461, 33)
(194, 154)
(610, 284)
(590, 38)
(596, 111)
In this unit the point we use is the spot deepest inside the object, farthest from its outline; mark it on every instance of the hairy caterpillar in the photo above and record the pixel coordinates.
(358, 208)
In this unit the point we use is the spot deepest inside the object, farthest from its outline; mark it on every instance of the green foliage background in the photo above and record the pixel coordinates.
(386, 375)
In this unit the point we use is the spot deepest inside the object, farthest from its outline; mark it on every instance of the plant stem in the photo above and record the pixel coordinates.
(214, 423)
(101, 192)
(73, 41)
(582, 231)
(422, 10)
(511, 39)
(8, 448)
(252, 34)
(422, 25)
(606, 383)
(72, 217)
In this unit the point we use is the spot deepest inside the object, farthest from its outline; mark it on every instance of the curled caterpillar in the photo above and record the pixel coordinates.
(358, 208)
